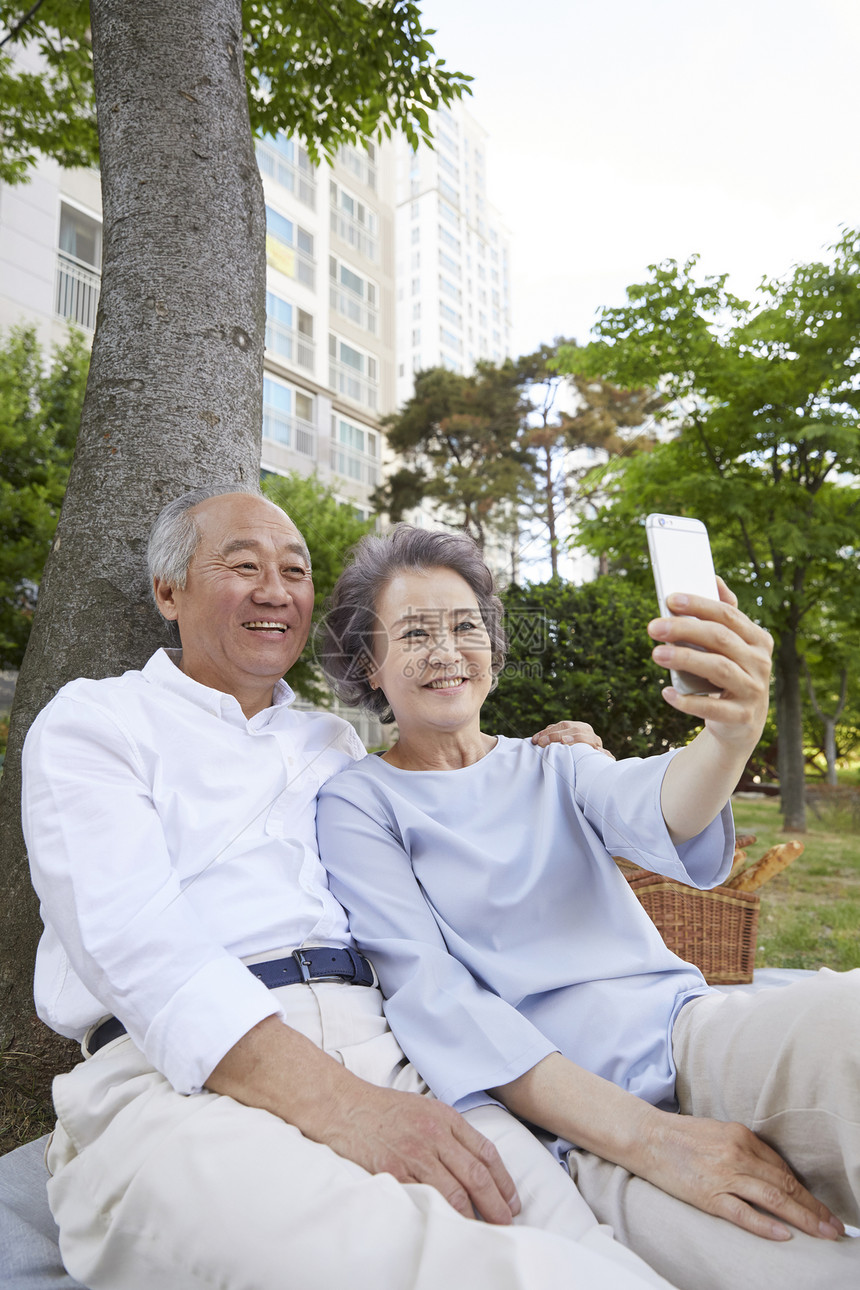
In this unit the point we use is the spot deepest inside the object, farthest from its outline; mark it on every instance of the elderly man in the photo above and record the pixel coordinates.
(244, 1115)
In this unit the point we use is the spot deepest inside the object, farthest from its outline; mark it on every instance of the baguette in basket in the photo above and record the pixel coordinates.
(774, 860)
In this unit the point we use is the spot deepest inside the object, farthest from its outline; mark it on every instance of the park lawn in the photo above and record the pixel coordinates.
(810, 913)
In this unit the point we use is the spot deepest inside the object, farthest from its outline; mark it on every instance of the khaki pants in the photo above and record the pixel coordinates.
(151, 1188)
(785, 1062)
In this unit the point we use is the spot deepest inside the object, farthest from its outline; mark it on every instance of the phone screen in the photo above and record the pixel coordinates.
(681, 560)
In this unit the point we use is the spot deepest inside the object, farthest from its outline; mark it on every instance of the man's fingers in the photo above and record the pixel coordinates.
(569, 732)
(460, 1163)
(487, 1170)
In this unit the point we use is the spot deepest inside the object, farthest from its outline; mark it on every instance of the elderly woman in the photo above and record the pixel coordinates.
(517, 964)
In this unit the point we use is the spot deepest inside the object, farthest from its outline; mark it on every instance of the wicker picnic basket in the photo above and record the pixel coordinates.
(714, 929)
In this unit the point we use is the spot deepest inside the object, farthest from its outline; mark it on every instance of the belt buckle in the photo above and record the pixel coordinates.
(305, 967)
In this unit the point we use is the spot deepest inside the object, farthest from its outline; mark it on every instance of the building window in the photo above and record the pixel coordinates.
(448, 213)
(449, 239)
(287, 162)
(354, 451)
(447, 288)
(353, 372)
(79, 259)
(360, 162)
(288, 416)
(289, 332)
(449, 192)
(353, 295)
(289, 248)
(354, 222)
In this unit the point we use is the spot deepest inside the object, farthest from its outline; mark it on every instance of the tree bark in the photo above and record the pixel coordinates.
(174, 397)
(789, 723)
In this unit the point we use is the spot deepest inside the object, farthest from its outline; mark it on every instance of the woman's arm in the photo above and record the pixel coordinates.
(723, 1169)
(736, 659)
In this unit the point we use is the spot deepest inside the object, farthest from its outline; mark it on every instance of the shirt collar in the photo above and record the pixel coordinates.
(163, 670)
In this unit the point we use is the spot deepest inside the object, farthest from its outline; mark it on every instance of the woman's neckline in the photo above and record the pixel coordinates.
(442, 770)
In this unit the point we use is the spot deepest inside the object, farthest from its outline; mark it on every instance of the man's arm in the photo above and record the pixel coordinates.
(736, 659)
(111, 894)
(414, 1138)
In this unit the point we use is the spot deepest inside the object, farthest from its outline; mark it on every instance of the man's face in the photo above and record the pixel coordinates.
(245, 611)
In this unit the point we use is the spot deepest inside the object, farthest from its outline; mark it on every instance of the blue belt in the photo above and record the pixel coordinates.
(316, 963)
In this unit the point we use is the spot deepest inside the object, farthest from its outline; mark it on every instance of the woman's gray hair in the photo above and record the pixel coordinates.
(346, 635)
(174, 537)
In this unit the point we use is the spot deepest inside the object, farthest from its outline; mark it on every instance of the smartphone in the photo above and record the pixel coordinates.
(681, 559)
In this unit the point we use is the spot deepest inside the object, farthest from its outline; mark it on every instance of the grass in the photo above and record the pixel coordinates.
(810, 913)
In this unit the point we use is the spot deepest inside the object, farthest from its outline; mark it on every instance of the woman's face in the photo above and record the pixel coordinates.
(431, 651)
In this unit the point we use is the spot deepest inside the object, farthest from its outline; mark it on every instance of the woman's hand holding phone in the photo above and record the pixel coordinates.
(733, 654)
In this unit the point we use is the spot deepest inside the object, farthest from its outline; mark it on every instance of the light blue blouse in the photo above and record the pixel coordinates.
(499, 925)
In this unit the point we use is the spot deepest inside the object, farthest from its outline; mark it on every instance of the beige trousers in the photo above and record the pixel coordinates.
(151, 1188)
(786, 1062)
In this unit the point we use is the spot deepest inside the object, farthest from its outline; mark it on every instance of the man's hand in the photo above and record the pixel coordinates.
(419, 1140)
(569, 732)
(725, 1169)
(414, 1138)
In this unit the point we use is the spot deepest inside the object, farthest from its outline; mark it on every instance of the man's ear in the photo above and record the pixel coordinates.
(165, 599)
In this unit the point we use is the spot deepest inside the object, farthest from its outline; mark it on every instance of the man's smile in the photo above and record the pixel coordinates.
(263, 625)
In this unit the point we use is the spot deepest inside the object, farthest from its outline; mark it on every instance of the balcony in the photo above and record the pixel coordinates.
(358, 164)
(292, 261)
(355, 235)
(355, 466)
(296, 179)
(352, 384)
(78, 287)
(289, 345)
(353, 307)
(290, 432)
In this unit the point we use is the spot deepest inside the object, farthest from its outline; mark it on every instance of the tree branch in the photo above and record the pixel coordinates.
(19, 27)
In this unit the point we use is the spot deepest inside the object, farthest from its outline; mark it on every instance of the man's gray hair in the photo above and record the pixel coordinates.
(346, 636)
(174, 537)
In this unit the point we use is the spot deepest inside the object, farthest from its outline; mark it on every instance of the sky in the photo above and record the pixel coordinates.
(626, 132)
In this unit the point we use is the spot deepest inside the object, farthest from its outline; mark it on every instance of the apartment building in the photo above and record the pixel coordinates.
(329, 358)
(453, 254)
(343, 242)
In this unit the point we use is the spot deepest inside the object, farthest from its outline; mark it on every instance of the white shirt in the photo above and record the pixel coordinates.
(169, 836)
(499, 925)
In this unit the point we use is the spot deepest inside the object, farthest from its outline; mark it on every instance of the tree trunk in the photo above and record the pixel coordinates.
(789, 724)
(829, 720)
(174, 397)
(549, 492)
